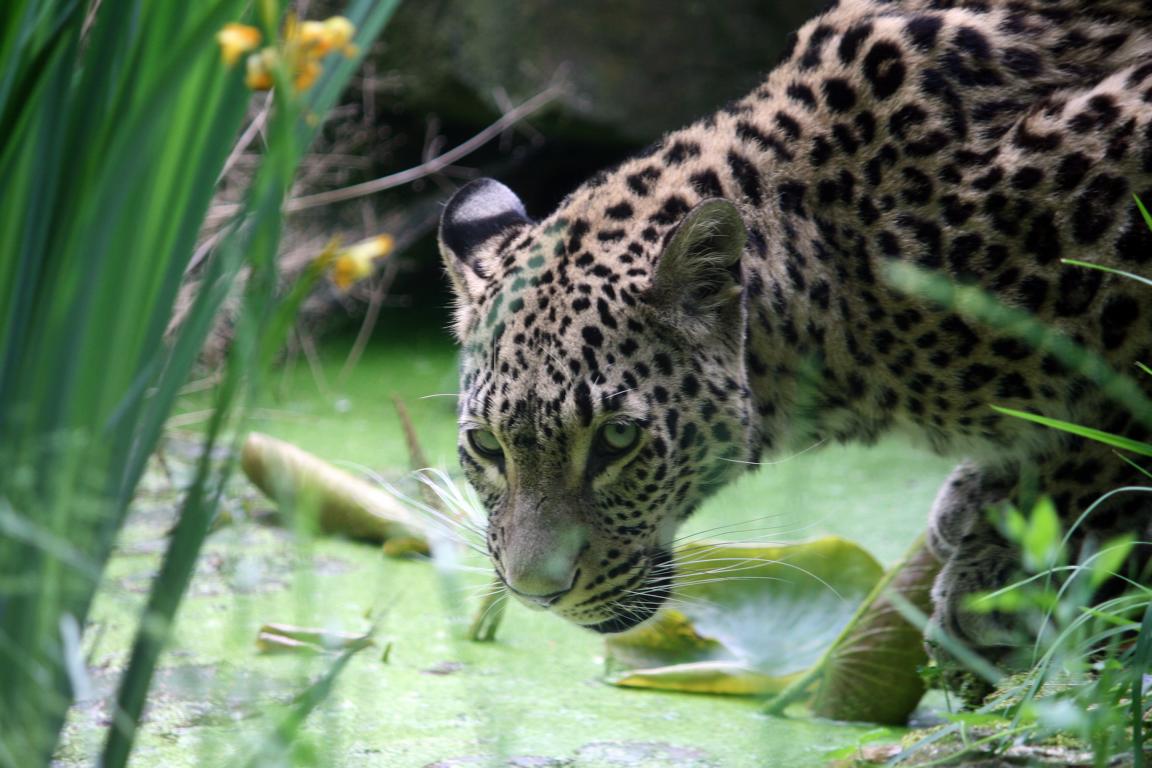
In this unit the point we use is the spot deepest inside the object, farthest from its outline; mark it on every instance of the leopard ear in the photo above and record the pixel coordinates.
(697, 275)
(478, 212)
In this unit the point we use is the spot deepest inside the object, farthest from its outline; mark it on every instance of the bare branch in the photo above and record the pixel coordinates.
(506, 121)
(255, 127)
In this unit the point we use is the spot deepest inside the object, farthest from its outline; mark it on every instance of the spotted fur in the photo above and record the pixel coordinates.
(724, 292)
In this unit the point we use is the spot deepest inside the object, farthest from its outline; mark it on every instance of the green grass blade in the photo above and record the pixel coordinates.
(97, 234)
(192, 528)
(167, 592)
(1141, 661)
(215, 285)
(23, 78)
(1107, 438)
(275, 745)
(96, 238)
(1109, 270)
(1143, 211)
(31, 165)
(260, 325)
(56, 473)
(1136, 466)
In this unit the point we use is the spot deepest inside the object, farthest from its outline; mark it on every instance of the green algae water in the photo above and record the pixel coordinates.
(534, 697)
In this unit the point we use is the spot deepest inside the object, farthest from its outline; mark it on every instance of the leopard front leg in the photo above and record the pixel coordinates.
(961, 505)
(974, 557)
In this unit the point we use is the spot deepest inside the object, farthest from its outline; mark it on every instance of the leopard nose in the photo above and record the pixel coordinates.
(542, 587)
(541, 561)
(541, 591)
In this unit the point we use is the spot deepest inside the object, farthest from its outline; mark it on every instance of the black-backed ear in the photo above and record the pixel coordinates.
(478, 212)
(697, 276)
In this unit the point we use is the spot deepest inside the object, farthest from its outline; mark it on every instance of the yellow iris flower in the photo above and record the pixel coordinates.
(237, 39)
(303, 45)
(357, 261)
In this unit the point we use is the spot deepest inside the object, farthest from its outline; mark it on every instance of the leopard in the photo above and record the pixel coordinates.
(733, 293)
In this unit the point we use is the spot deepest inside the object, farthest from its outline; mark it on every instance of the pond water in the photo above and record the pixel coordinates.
(535, 694)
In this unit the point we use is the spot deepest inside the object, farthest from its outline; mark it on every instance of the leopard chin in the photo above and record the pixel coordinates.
(634, 610)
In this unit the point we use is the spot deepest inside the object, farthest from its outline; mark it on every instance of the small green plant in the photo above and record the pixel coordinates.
(1083, 691)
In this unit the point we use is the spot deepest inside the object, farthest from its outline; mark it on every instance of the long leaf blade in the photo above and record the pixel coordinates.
(1107, 438)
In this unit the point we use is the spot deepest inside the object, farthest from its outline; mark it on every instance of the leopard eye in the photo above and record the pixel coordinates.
(617, 437)
(484, 442)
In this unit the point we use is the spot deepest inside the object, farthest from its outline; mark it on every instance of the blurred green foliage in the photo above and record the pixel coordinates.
(116, 120)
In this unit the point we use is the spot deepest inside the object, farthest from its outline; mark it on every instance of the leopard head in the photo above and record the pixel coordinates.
(603, 389)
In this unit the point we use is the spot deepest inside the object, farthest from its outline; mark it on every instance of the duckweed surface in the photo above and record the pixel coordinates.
(534, 698)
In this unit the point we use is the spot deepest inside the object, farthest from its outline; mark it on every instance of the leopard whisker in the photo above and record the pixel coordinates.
(726, 579)
(617, 394)
(738, 525)
(440, 521)
(481, 591)
(457, 567)
(726, 573)
(812, 447)
(776, 534)
(741, 562)
(644, 598)
(720, 574)
(499, 601)
(804, 571)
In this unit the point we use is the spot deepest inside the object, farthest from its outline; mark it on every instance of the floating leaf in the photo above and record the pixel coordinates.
(718, 676)
(872, 674)
(343, 503)
(286, 638)
(750, 619)
(653, 656)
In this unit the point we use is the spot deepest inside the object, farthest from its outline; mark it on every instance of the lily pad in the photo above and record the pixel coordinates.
(747, 618)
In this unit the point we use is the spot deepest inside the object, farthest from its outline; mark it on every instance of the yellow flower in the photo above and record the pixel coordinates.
(302, 47)
(340, 30)
(313, 38)
(306, 72)
(357, 261)
(236, 40)
(258, 76)
(320, 38)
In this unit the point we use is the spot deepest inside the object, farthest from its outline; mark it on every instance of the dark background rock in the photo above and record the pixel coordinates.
(635, 68)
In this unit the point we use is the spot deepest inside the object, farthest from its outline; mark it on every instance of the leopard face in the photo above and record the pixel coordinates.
(598, 406)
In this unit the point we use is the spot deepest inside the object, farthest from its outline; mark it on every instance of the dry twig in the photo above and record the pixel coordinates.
(434, 165)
